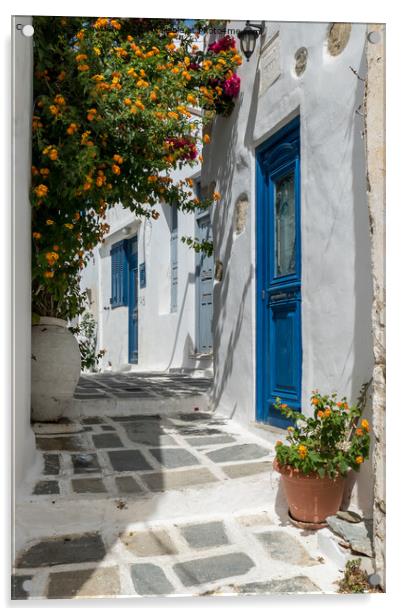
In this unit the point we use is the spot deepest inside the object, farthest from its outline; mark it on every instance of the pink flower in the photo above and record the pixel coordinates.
(225, 43)
(231, 86)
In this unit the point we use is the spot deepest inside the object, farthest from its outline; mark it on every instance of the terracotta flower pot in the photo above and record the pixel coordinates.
(311, 498)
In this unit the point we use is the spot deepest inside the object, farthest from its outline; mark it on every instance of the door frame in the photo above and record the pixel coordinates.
(200, 216)
(286, 158)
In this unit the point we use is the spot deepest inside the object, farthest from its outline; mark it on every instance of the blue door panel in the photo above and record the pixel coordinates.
(132, 259)
(278, 270)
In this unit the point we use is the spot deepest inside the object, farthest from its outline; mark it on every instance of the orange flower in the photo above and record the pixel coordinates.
(41, 190)
(36, 235)
(327, 412)
(116, 25)
(83, 67)
(359, 460)
(44, 171)
(127, 101)
(139, 104)
(207, 139)
(189, 181)
(56, 248)
(320, 414)
(49, 222)
(119, 159)
(365, 425)
(116, 169)
(359, 432)
(61, 76)
(278, 443)
(72, 129)
(59, 99)
(216, 196)
(315, 401)
(153, 96)
(68, 225)
(54, 110)
(48, 274)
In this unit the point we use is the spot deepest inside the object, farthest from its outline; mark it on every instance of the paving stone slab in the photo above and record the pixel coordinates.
(255, 519)
(298, 584)
(64, 550)
(357, 535)
(148, 543)
(282, 546)
(171, 480)
(235, 453)
(108, 428)
(148, 435)
(204, 570)
(85, 463)
(51, 464)
(207, 535)
(202, 441)
(195, 416)
(106, 441)
(92, 421)
(148, 579)
(192, 431)
(131, 418)
(174, 458)
(18, 586)
(64, 443)
(128, 485)
(88, 485)
(128, 460)
(46, 487)
(247, 468)
(101, 582)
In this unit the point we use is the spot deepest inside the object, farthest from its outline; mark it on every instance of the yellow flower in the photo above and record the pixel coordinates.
(302, 449)
(48, 274)
(359, 460)
(68, 225)
(98, 78)
(41, 190)
(49, 222)
(173, 115)
(191, 99)
(171, 35)
(97, 51)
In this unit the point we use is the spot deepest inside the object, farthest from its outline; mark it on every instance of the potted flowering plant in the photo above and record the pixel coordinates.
(320, 452)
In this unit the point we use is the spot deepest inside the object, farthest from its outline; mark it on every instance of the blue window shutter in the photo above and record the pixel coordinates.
(119, 271)
(174, 259)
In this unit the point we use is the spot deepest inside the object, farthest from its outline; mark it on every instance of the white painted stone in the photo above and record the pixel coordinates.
(270, 63)
(331, 549)
(56, 367)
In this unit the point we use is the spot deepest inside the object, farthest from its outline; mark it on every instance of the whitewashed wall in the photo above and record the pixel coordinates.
(23, 438)
(166, 340)
(336, 279)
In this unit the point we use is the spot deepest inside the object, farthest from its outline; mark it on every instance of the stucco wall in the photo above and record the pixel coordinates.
(23, 441)
(166, 340)
(336, 276)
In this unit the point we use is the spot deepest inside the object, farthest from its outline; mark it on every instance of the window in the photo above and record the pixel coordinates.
(119, 274)
(173, 258)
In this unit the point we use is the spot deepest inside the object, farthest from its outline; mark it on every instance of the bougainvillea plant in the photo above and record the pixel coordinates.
(329, 443)
(112, 118)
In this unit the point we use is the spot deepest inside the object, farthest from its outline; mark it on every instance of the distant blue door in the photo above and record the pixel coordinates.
(279, 343)
(204, 287)
(132, 261)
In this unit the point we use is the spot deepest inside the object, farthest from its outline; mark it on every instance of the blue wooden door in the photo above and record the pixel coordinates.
(132, 261)
(279, 343)
(204, 288)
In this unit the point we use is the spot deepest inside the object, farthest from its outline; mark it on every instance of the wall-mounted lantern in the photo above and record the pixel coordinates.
(248, 37)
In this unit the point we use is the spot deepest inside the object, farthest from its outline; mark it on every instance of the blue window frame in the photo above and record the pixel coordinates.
(119, 270)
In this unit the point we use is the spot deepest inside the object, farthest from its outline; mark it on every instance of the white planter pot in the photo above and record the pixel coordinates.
(56, 367)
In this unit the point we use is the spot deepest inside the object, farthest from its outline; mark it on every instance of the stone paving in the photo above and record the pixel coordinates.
(129, 460)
